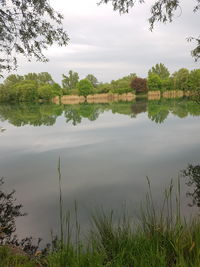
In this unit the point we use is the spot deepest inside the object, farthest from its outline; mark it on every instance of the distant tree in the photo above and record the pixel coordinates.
(46, 92)
(13, 79)
(85, 87)
(167, 84)
(40, 78)
(92, 79)
(123, 85)
(45, 78)
(26, 91)
(160, 11)
(104, 88)
(139, 85)
(27, 27)
(194, 79)
(154, 82)
(57, 90)
(70, 81)
(160, 70)
(181, 79)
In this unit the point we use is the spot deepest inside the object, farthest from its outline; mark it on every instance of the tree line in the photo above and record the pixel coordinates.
(41, 86)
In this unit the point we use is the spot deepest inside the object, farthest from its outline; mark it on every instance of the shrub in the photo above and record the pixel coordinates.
(139, 85)
(154, 82)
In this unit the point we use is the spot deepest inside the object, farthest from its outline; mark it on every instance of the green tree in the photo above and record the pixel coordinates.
(13, 79)
(181, 79)
(46, 92)
(27, 27)
(40, 78)
(92, 79)
(160, 70)
(70, 81)
(161, 11)
(154, 82)
(194, 79)
(85, 87)
(26, 91)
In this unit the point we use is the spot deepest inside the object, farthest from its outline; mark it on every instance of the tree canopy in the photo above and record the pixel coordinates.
(27, 27)
(161, 11)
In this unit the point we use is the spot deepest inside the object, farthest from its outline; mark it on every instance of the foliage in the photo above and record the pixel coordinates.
(194, 80)
(180, 79)
(40, 78)
(161, 11)
(103, 88)
(45, 92)
(85, 87)
(160, 70)
(92, 79)
(9, 211)
(139, 85)
(27, 27)
(26, 91)
(192, 176)
(154, 82)
(70, 81)
(29, 88)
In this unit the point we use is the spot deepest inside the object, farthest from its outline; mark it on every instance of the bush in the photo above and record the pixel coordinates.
(46, 92)
(139, 85)
(154, 82)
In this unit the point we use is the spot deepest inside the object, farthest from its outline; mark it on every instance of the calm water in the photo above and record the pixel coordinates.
(106, 153)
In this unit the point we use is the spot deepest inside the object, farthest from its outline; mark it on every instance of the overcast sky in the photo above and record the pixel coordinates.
(111, 46)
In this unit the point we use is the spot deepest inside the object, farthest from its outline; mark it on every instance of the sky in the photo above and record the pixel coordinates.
(110, 45)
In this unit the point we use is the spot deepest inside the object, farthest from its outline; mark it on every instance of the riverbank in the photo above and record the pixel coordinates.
(106, 98)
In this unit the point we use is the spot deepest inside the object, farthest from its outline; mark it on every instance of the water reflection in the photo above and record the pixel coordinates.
(46, 114)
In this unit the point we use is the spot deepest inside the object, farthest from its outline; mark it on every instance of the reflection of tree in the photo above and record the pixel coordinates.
(122, 108)
(139, 107)
(72, 115)
(157, 112)
(46, 114)
(31, 114)
(192, 175)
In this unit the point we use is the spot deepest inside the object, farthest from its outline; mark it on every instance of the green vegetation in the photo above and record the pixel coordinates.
(159, 237)
(33, 87)
(29, 88)
(85, 87)
(47, 113)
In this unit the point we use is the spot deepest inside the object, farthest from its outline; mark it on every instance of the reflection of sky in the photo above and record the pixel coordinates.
(103, 162)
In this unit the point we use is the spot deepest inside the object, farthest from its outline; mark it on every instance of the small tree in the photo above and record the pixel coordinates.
(181, 79)
(92, 79)
(154, 82)
(139, 85)
(160, 70)
(70, 81)
(85, 87)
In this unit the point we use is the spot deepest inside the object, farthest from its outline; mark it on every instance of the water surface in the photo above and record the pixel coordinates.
(106, 153)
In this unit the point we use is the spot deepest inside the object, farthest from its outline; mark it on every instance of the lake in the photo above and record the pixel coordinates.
(106, 151)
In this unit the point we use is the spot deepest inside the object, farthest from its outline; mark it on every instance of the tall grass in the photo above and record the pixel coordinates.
(162, 237)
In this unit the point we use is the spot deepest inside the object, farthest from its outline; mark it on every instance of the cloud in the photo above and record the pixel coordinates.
(110, 46)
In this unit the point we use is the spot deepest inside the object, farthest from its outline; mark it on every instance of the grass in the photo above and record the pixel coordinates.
(161, 237)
